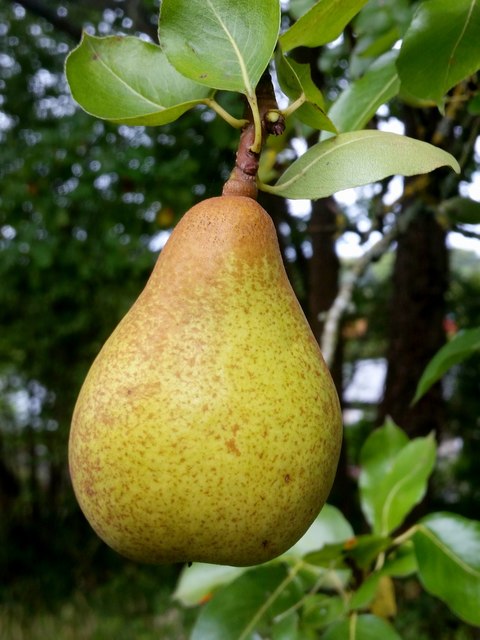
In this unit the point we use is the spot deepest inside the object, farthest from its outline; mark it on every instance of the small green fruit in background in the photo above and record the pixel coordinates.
(208, 428)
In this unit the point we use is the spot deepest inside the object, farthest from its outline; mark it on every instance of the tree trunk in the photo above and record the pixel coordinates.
(417, 315)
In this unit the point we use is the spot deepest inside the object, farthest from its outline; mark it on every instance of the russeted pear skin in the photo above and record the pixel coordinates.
(208, 428)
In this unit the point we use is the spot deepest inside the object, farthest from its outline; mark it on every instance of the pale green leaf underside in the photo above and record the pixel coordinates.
(447, 547)
(358, 158)
(221, 44)
(441, 48)
(461, 346)
(323, 23)
(125, 79)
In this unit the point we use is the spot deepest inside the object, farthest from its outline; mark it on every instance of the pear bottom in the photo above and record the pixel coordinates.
(208, 428)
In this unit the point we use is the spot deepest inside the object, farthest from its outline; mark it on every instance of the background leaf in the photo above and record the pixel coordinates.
(330, 526)
(220, 43)
(125, 79)
(366, 627)
(356, 106)
(393, 477)
(447, 547)
(376, 459)
(323, 23)
(294, 79)
(357, 158)
(460, 347)
(461, 210)
(229, 612)
(404, 485)
(440, 48)
(198, 582)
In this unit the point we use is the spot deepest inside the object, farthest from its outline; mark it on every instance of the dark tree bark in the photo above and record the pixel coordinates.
(417, 313)
(418, 306)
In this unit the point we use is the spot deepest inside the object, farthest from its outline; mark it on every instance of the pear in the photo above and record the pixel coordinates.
(208, 428)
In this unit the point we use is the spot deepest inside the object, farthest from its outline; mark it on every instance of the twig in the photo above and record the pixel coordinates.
(243, 179)
(342, 301)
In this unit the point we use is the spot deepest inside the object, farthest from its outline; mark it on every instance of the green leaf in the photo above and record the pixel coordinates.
(460, 210)
(377, 457)
(440, 48)
(329, 527)
(365, 549)
(393, 477)
(357, 158)
(402, 562)
(363, 627)
(379, 25)
(356, 106)
(460, 347)
(296, 8)
(447, 547)
(294, 79)
(286, 628)
(323, 23)
(231, 611)
(220, 43)
(197, 582)
(320, 610)
(366, 592)
(127, 80)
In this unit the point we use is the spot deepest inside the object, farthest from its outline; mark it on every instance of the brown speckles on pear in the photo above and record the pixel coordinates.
(209, 422)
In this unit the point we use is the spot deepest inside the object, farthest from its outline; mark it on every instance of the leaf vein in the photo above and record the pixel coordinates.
(448, 552)
(109, 69)
(241, 61)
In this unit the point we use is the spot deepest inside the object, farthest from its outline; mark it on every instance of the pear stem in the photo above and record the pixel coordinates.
(270, 120)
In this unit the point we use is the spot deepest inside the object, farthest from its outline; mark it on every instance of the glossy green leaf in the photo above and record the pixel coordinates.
(358, 158)
(320, 610)
(460, 347)
(286, 627)
(394, 475)
(329, 527)
(364, 549)
(231, 611)
(356, 106)
(295, 79)
(366, 592)
(441, 48)
(379, 25)
(128, 80)
(200, 580)
(460, 210)
(447, 547)
(402, 562)
(323, 23)
(220, 43)
(377, 458)
(363, 627)
(404, 485)
(296, 8)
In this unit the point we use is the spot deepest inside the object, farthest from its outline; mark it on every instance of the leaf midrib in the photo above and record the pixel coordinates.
(448, 551)
(100, 59)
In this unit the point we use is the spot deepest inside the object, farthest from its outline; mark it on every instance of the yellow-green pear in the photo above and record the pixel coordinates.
(208, 428)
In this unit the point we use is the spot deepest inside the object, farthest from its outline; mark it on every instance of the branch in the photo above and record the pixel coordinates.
(342, 301)
(243, 179)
